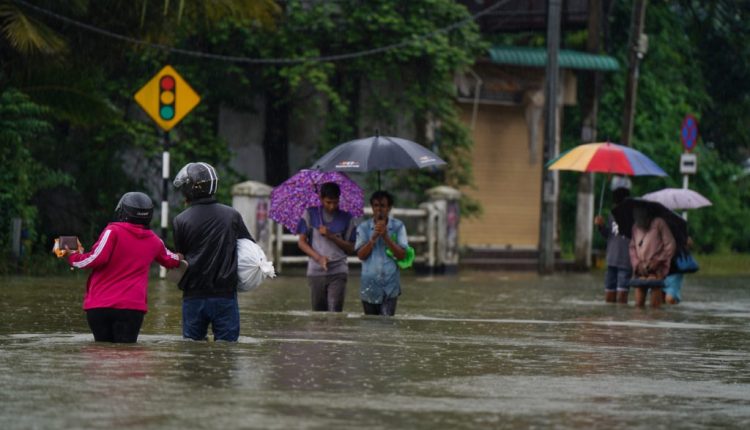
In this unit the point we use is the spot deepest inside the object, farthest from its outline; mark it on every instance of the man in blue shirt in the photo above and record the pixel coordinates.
(381, 282)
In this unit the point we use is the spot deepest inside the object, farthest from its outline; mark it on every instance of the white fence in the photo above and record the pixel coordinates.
(423, 221)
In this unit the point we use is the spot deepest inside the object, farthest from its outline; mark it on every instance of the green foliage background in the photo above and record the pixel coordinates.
(73, 160)
(691, 55)
(69, 127)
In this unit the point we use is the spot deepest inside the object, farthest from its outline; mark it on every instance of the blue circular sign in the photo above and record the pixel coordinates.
(689, 132)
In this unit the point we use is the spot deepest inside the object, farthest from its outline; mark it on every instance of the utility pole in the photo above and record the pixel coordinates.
(591, 87)
(637, 48)
(549, 195)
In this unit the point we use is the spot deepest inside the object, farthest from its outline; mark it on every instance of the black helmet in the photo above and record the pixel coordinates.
(135, 208)
(197, 180)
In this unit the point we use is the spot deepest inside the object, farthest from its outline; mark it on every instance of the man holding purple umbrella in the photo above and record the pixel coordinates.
(326, 235)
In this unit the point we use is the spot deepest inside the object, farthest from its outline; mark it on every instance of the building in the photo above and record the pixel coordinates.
(502, 101)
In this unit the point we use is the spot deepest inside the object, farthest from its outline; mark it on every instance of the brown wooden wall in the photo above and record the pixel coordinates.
(507, 186)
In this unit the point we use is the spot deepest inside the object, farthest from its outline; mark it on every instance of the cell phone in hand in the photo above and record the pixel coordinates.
(70, 241)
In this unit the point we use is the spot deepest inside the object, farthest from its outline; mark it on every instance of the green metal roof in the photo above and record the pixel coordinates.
(537, 57)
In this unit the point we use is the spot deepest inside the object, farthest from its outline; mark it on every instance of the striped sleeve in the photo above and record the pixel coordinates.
(98, 256)
(167, 258)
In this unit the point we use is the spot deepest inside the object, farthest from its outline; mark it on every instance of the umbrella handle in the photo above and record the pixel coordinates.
(601, 195)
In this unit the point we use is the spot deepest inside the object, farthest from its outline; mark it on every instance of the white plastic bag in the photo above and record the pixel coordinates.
(252, 266)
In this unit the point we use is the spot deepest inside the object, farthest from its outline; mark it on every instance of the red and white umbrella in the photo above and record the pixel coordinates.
(678, 198)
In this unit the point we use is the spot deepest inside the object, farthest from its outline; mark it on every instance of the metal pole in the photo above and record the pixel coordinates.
(16, 230)
(685, 181)
(475, 108)
(546, 230)
(589, 111)
(637, 49)
(164, 196)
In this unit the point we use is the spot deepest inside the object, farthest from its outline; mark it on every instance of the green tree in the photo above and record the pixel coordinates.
(26, 35)
(22, 124)
(683, 72)
(360, 94)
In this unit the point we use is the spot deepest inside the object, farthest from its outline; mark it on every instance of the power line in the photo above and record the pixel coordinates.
(267, 61)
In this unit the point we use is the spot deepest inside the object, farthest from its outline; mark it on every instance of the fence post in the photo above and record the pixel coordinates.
(16, 248)
(446, 200)
(278, 251)
(251, 199)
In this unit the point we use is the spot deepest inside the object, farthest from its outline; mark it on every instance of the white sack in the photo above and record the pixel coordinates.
(252, 266)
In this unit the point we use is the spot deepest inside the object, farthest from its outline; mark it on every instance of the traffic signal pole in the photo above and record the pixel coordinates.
(549, 195)
(164, 195)
(166, 98)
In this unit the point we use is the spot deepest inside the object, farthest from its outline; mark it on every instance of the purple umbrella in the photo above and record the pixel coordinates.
(290, 199)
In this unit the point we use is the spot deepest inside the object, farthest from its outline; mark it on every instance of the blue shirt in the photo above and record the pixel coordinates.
(380, 274)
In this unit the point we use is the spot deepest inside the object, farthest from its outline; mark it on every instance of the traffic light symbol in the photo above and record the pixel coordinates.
(158, 98)
(167, 97)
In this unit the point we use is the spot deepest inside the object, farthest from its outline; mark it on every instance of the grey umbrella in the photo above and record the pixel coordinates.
(678, 198)
(377, 153)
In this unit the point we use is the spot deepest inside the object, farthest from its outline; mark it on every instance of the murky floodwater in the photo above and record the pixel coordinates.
(476, 351)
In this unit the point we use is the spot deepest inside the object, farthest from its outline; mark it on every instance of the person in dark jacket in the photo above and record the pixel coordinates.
(617, 277)
(206, 233)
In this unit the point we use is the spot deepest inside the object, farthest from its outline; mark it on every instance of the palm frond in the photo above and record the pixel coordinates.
(26, 35)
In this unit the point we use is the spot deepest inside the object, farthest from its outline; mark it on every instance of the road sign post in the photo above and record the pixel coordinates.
(167, 99)
(688, 160)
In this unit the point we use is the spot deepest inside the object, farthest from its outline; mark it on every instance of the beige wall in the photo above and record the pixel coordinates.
(507, 185)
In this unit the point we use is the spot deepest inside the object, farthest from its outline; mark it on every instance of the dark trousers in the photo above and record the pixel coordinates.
(327, 292)
(115, 325)
(387, 308)
(223, 314)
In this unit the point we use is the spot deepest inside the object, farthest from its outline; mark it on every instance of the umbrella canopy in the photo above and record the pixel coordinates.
(606, 158)
(290, 199)
(623, 215)
(377, 153)
(678, 198)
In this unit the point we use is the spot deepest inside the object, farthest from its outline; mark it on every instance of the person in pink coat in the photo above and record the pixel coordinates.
(652, 247)
(116, 291)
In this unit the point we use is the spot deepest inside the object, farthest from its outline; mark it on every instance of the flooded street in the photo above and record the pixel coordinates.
(480, 350)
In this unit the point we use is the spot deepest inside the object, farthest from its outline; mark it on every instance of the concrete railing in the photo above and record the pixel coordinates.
(423, 240)
(432, 228)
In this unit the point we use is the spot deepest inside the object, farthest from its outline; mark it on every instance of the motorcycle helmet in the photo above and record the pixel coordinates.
(135, 208)
(196, 180)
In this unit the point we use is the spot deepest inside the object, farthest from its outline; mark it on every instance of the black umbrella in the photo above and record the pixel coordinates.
(377, 153)
(623, 215)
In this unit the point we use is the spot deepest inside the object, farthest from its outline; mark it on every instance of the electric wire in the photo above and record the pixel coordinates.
(265, 61)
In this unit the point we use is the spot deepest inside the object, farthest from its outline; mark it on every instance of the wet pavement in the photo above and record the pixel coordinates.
(479, 350)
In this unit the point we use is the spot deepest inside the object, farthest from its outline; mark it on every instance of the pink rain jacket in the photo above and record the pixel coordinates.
(120, 261)
(651, 250)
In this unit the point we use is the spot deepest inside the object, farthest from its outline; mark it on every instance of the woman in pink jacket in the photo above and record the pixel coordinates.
(115, 300)
(652, 247)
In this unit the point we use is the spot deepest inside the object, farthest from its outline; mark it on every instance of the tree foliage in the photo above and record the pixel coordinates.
(690, 68)
(84, 92)
(23, 127)
(73, 140)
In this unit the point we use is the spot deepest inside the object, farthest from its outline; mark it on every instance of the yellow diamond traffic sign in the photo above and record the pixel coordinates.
(167, 98)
